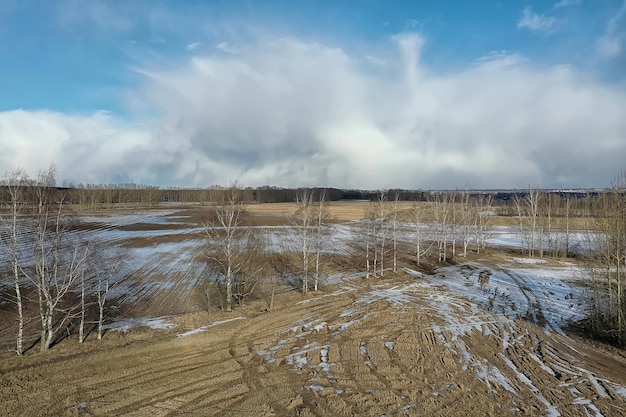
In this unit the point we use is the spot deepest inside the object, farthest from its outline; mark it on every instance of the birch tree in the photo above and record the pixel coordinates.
(528, 213)
(417, 218)
(16, 184)
(304, 220)
(382, 228)
(321, 232)
(483, 220)
(467, 220)
(228, 250)
(395, 229)
(368, 236)
(568, 208)
(104, 283)
(442, 212)
(83, 278)
(607, 264)
(58, 258)
(533, 202)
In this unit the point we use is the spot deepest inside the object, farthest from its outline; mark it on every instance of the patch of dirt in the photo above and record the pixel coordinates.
(379, 346)
(366, 347)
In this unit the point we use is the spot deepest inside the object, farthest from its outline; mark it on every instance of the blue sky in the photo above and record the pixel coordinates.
(368, 94)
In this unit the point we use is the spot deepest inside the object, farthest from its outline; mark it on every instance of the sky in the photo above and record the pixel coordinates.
(352, 94)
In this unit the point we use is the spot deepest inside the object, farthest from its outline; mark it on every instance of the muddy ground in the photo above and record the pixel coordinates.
(402, 344)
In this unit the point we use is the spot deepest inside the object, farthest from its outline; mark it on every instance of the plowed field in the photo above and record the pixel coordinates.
(370, 347)
(487, 337)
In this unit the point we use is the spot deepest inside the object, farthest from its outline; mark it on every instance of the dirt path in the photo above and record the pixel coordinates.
(393, 347)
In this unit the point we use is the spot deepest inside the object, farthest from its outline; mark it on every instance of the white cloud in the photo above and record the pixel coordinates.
(226, 47)
(535, 22)
(567, 3)
(94, 14)
(87, 148)
(289, 112)
(193, 46)
(610, 44)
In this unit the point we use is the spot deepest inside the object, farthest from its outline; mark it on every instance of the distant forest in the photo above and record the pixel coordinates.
(130, 193)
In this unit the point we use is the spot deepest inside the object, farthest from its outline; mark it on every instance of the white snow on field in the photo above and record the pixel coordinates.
(337, 238)
(551, 410)
(455, 295)
(343, 277)
(340, 291)
(124, 325)
(343, 326)
(319, 327)
(299, 358)
(204, 328)
(547, 295)
(125, 218)
(559, 298)
(509, 237)
(405, 408)
(528, 261)
(303, 328)
(324, 364)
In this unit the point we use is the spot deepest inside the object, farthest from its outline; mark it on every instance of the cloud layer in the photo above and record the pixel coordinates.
(289, 112)
(536, 22)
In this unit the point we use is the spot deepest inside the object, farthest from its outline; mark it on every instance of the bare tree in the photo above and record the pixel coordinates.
(253, 269)
(568, 208)
(533, 203)
(382, 227)
(528, 213)
(453, 223)
(228, 252)
(607, 264)
(442, 208)
(16, 184)
(83, 278)
(321, 232)
(368, 236)
(483, 220)
(304, 220)
(58, 258)
(417, 221)
(395, 229)
(104, 283)
(467, 219)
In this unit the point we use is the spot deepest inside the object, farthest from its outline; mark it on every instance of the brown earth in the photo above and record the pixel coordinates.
(378, 346)
(342, 352)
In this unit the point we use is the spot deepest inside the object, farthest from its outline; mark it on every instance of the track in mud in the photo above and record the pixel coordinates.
(469, 340)
(392, 347)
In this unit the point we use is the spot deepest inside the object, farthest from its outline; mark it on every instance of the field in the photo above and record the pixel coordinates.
(487, 335)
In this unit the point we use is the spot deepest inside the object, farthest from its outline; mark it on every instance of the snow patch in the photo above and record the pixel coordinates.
(204, 328)
(125, 325)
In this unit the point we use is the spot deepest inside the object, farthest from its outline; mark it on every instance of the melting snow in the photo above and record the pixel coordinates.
(125, 325)
(204, 328)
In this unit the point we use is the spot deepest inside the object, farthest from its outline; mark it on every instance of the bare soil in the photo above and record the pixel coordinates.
(380, 346)
(340, 352)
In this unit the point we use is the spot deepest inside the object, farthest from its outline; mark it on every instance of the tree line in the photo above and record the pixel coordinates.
(55, 269)
(442, 228)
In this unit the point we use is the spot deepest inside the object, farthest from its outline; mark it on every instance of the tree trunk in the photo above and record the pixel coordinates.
(20, 313)
(100, 320)
(81, 325)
